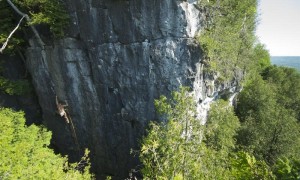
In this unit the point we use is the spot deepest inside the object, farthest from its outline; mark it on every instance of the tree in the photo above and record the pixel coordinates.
(24, 152)
(228, 40)
(12, 14)
(256, 100)
(268, 128)
(219, 139)
(287, 83)
(262, 57)
(246, 167)
(287, 169)
(47, 12)
(172, 148)
(221, 127)
(180, 147)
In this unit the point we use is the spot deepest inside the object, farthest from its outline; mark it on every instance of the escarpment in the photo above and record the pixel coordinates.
(116, 58)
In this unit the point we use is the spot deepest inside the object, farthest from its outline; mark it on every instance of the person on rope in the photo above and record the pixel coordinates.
(61, 110)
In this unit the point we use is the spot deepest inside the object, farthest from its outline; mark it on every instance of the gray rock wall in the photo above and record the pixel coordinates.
(12, 69)
(117, 57)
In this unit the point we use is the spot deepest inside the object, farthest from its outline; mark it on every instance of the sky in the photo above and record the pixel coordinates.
(279, 26)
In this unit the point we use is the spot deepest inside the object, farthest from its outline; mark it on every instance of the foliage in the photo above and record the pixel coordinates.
(181, 148)
(260, 61)
(175, 148)
(287, 169)
(19, 87)
(8, 23)
(49, 12)
(171, 149)
(24, 153)
(221, 127)
(262, 56)
(287, 84)
(268, 129)
(245, 166)
(219, 133)
(256, 99)
(229, 36)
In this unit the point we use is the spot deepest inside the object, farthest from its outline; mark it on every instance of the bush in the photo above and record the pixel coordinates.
(24, 152)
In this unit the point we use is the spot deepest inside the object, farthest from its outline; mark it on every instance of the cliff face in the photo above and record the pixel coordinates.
(117, 57)
(12, 68)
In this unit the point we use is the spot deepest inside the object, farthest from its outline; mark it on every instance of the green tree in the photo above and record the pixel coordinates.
(287, 83)
(171, 148)
(256, 100)
(219, 139)
(24, 152)
(246, 167)
(51, 13)
(268, 129)
(48, 12)
(19, 87)
(262, 57)
(228, 40)
(287, 169)
(181, 148)
(8, 22)
(221, 127)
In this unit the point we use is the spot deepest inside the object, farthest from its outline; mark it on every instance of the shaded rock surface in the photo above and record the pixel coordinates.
(13, 69)
(117, 57)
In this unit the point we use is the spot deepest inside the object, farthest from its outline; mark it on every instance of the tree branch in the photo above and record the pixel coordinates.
(16, 9)
(10, 35)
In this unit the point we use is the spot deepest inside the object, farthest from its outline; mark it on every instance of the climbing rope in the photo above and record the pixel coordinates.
(73, 132)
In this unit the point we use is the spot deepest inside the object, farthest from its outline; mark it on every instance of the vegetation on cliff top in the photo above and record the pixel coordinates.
(228, 40)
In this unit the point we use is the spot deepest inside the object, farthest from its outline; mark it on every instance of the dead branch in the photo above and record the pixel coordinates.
(10, 35)
(16, 9)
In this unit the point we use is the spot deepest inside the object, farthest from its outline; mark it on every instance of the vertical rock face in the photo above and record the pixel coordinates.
(12, 69)
(118, 56)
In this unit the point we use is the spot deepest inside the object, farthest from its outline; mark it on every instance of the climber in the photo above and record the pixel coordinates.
(61, 110)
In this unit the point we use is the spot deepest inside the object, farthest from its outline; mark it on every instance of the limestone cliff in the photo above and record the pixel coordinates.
(116, 58)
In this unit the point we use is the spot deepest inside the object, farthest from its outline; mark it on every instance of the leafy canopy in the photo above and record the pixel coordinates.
(24, 152)
(228, 39)
(51, 13)
(171, 148)
(269, 118)
(181, 148)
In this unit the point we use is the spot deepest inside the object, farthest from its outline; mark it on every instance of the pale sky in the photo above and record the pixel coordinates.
(279, 26)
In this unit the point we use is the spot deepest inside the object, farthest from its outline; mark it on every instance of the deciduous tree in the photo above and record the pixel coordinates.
(24, 152)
